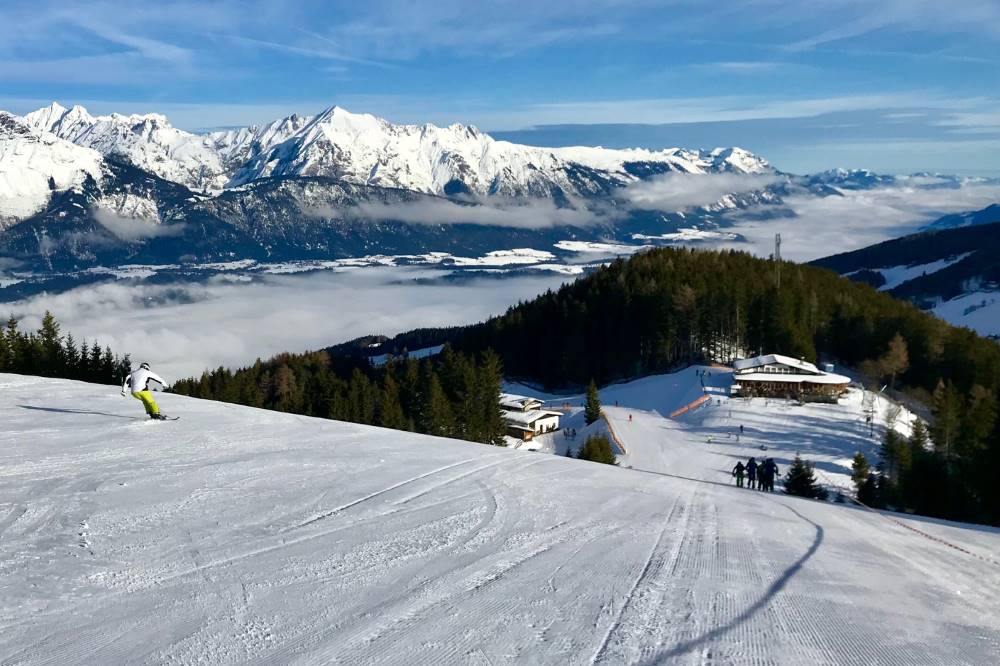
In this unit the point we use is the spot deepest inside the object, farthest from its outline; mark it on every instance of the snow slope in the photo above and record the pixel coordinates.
(242, 536)
(703, 442)
(978, 310)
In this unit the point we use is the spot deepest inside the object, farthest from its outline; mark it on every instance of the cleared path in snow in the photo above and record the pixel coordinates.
(243, 536)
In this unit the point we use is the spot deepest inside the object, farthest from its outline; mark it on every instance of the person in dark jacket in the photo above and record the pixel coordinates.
(770, 471)
(752, 473)
(738, 472)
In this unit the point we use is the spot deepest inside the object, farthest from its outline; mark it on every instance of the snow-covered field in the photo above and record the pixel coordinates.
(706, 442)
(978, 310)
(242, 536)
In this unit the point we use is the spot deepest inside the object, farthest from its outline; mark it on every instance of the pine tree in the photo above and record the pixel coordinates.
(868, 492)
(435, 413)
(597, 448)
(390, 409)
(592, 410)
(488, 393)
(860, 470)
(947, 406)
(52, 362)
(801, 481)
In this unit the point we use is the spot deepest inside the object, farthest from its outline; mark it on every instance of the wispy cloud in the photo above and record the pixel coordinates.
(677, 191)
(134, 229)
(514, 213)
(821, 226)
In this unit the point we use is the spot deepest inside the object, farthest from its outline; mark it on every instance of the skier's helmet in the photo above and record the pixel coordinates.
(144, 366)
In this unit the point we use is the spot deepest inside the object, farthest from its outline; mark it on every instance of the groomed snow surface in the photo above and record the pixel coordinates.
(244, 536)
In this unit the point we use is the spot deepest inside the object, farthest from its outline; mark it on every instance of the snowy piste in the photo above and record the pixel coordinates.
(239, 536)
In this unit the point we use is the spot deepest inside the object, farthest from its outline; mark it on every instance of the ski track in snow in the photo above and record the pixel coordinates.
(243, 536)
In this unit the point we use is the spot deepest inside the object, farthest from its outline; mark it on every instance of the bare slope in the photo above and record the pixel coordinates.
(243, 536)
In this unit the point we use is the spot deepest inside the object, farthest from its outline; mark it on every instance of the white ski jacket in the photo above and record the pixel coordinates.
(139, 381)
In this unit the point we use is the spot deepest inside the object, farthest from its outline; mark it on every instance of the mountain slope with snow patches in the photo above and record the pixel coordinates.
(237, 535)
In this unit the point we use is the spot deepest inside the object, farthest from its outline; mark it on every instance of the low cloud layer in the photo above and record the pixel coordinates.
(518, 214)
(132, 229)
(184, 329)
(678, 191)
(822, 226)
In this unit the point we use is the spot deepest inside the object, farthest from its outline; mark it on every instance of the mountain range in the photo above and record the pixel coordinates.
(79, 191)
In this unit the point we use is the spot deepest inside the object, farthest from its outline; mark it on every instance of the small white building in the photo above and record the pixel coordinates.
(525, 425)
(525, 418)
(775, 375)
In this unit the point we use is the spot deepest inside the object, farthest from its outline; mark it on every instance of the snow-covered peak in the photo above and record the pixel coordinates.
(237, 146)
(148, 141)
(364, 149)
(34, 164)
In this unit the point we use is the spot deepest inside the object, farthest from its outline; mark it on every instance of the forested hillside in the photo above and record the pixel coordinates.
(955, 257)
(669, 307)
(450, 395)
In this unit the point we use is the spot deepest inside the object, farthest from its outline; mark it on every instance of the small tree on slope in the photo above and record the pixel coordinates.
(597, 448)
(801, 481)
(592, 409)
(860, 469)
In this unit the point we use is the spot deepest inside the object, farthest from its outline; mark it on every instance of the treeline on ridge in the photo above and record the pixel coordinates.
(449, 395)
(49, 353)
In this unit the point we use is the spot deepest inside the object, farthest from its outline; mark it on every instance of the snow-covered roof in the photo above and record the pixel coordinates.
(791, 378)
(527, 418)
(775, 359)
(519, 402)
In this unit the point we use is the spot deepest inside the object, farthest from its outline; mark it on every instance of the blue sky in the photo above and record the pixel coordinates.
(900, 85)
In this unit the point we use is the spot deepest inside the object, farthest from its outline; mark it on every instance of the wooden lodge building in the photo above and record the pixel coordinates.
(525, 418)
(777, 376)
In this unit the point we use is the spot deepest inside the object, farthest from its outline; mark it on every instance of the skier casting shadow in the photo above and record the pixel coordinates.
(138, 383)
(738, 472)
(751, 473)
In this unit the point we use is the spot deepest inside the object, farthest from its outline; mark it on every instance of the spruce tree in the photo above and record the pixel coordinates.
(868, 492)
(490, 378)
(860, 470)
(390, 410)
(597, 448)
(592, 409)
(801, 481)
(435, 416)
(52, 362)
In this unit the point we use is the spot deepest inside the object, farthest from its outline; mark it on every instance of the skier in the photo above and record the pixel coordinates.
(138, 384)
(738, 472)
(770, 471)
(752, 473)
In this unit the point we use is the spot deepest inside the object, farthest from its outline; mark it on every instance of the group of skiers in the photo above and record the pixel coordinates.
(759, 476)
